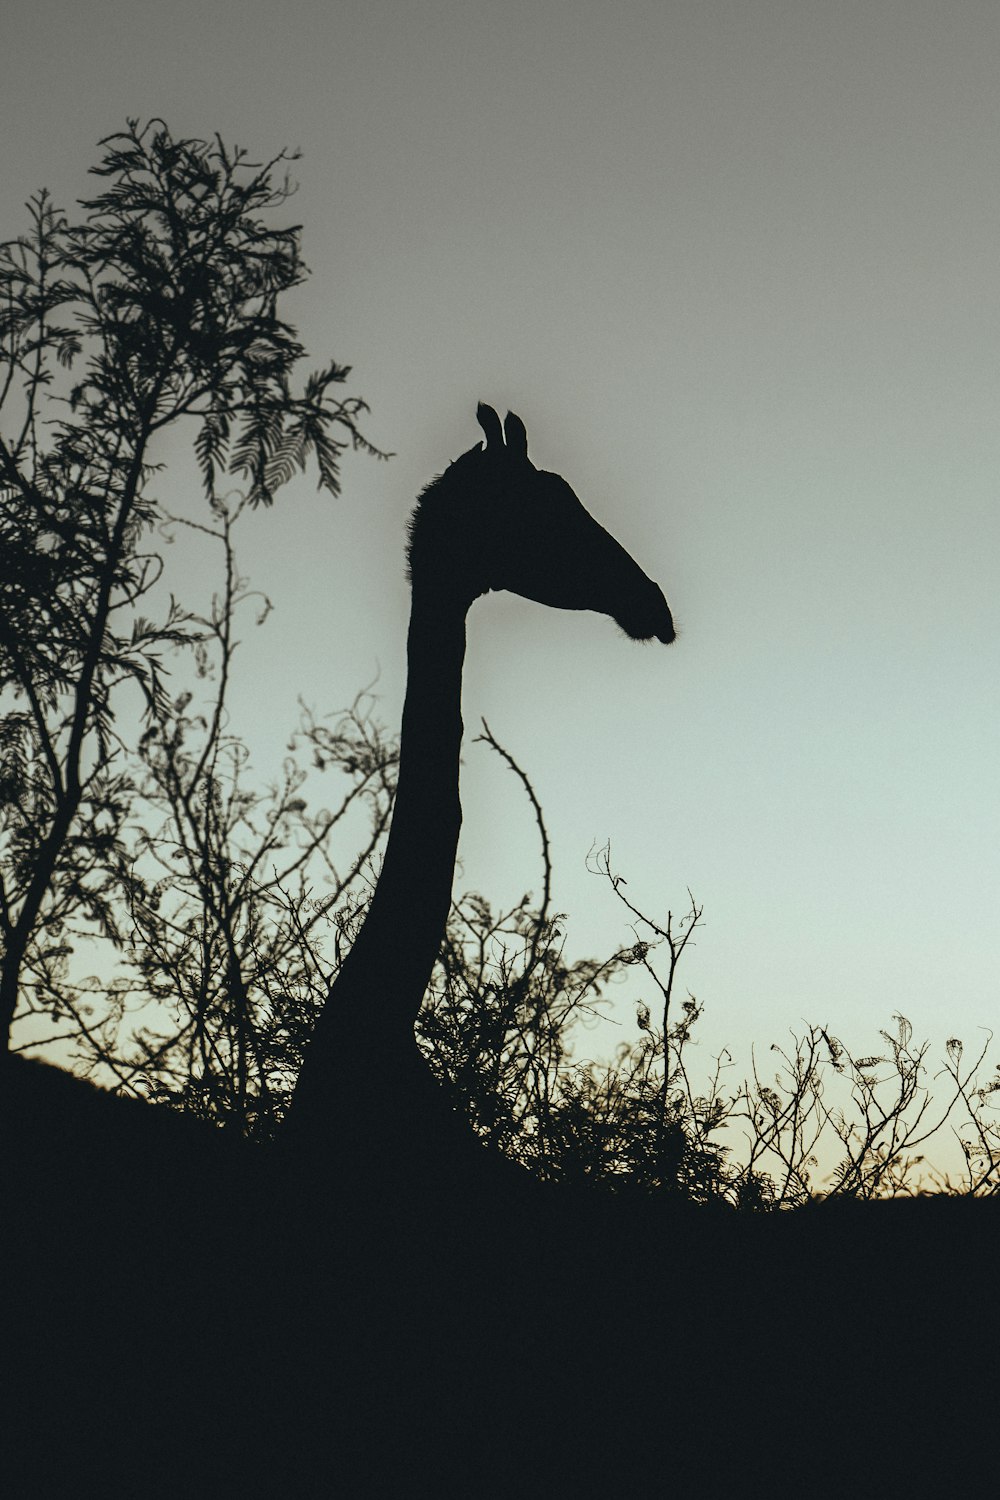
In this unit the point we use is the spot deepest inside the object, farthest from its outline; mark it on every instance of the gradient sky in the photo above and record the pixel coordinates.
(737, 265)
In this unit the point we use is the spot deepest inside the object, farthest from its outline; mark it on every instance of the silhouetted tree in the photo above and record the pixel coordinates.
(158, 304)
(233, 893)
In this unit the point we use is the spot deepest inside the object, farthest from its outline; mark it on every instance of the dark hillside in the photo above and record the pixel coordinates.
(186, 1317)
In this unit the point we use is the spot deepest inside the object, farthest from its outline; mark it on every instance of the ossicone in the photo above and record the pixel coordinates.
(517, 437)
(490, 423)
(516, 447)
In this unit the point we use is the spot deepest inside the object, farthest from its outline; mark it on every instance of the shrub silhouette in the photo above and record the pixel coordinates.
(157, 306)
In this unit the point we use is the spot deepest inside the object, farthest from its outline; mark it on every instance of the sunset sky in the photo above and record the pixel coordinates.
(736, 263)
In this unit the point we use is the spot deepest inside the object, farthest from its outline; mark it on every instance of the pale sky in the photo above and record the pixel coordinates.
(737, 266)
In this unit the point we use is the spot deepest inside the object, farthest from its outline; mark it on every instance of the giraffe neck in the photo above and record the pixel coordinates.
(409, 910)
(362, 1060)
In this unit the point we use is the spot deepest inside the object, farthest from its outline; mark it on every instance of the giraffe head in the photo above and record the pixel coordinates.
(494, 521)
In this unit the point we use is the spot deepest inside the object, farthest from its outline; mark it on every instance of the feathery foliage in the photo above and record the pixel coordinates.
(158, 304)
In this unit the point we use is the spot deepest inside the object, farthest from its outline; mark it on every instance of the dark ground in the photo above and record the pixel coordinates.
(182, 1318)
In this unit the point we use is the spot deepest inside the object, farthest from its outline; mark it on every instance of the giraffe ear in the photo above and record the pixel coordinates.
(517, 438)
(490, 423)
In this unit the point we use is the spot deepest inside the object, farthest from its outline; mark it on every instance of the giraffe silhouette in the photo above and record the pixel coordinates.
(491, 521)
